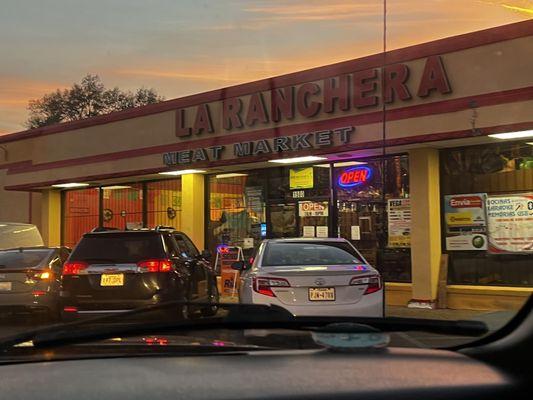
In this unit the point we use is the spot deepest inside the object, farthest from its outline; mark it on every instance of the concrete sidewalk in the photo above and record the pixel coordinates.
(493, 319)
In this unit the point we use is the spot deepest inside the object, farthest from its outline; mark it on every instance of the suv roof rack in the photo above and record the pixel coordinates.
(159, 228)
(104, 229)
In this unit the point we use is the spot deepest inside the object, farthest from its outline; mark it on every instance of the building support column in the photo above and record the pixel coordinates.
(424, 186)
(192, 208)
(51, 217)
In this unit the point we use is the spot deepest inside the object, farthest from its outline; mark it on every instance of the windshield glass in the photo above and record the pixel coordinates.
(118, 248)
(280, 254)
(188, 151)
(21, 259)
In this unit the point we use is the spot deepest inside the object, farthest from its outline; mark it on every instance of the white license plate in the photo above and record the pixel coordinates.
(5, 286)
(321, 294)
(112, 280)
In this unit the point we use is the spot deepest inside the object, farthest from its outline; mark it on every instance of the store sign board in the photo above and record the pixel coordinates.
(343, 93)
(313, 209)
(510, 223)
(354, 177)
(301, 178)
(466, 223)
(265, 147)
(399, 222)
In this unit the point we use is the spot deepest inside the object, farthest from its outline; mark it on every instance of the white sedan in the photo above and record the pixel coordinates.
(312, 277)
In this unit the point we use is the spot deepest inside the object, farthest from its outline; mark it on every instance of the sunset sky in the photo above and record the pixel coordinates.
(181, 47)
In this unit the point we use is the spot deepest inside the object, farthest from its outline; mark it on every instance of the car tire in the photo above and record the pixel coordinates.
(213, 298)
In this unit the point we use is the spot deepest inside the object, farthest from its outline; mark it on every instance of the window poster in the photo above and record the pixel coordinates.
(466, 223)
(510, 223)
(399, 222)
(301, 178)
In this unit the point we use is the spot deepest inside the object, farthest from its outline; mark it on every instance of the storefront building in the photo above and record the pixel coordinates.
(392, 153)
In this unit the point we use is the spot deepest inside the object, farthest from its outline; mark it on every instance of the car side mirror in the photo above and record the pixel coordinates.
(206, 254)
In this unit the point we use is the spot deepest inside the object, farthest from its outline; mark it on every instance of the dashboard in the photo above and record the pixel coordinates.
(393, 373)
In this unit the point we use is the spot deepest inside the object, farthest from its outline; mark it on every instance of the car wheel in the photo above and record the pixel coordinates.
(213, 298)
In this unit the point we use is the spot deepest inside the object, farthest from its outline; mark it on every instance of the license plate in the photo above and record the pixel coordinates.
(112, 280)
(5, 286)
(322, 294)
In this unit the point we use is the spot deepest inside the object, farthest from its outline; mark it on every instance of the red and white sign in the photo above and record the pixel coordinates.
(466, 202)
(313, 209)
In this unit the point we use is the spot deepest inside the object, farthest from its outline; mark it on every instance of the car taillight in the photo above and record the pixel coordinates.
(265, 285)
(40, 275)
(155, 265)
(70, 309)
(74, 267)
(373, 282)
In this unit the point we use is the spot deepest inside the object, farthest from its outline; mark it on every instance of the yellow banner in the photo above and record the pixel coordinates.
(301, 178)
(462, 218)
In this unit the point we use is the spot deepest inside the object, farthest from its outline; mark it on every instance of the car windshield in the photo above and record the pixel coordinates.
(22, 259)
(331, 158)
(111, 248)
(309, 253)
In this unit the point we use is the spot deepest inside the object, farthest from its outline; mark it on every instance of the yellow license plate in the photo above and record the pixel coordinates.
(112, 280)
(322, 294)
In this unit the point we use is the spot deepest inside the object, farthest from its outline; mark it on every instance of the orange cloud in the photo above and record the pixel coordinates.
(316, 11)
(15, 94)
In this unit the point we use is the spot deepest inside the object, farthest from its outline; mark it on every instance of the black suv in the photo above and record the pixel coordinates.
(111, 271)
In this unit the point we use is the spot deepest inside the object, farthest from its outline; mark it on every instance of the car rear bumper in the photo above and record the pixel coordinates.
(371, 305)
(29, 302)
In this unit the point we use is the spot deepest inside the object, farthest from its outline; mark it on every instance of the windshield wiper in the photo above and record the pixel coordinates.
(239, 317)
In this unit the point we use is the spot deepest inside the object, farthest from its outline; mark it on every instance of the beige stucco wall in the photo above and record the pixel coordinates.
(485, 69)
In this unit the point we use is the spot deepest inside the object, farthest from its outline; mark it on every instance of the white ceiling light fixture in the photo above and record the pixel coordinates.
(230, 175)
(296, 160)
(349, 163)
(70, 185)
(116, 187)
(183, 172)
(513, 135)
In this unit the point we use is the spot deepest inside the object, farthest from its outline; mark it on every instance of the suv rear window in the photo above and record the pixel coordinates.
(118, 248)
(309, 253)
(23, 259)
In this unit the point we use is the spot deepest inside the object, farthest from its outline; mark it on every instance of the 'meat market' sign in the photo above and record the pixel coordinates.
(357, 90)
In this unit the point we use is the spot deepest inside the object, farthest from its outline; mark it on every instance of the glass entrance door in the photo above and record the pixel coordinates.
(282, 220)
(313, 218)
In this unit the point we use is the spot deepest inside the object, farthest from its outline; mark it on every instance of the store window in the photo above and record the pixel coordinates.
(374, 212)
(163, 204)
(122, 206)
(236, 210)
(80, 214)
(488, 205)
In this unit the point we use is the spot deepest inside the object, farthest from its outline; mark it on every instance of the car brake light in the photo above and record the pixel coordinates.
(373, 282)
(70, 309)
(264, 285)
(74, 268)
(155, 265)
(38, 293)
(40, 275)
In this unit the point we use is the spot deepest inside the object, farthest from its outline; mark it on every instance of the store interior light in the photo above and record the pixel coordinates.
(70, 185)
(296, 160)
(530, 143)
(183, 172)
(513, 135)
(230, 175)
(116, 187)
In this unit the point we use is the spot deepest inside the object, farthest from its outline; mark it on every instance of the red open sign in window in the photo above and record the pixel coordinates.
(355, 176)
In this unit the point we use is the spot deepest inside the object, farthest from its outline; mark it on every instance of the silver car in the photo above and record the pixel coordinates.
(312, 277)
(30, 279)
